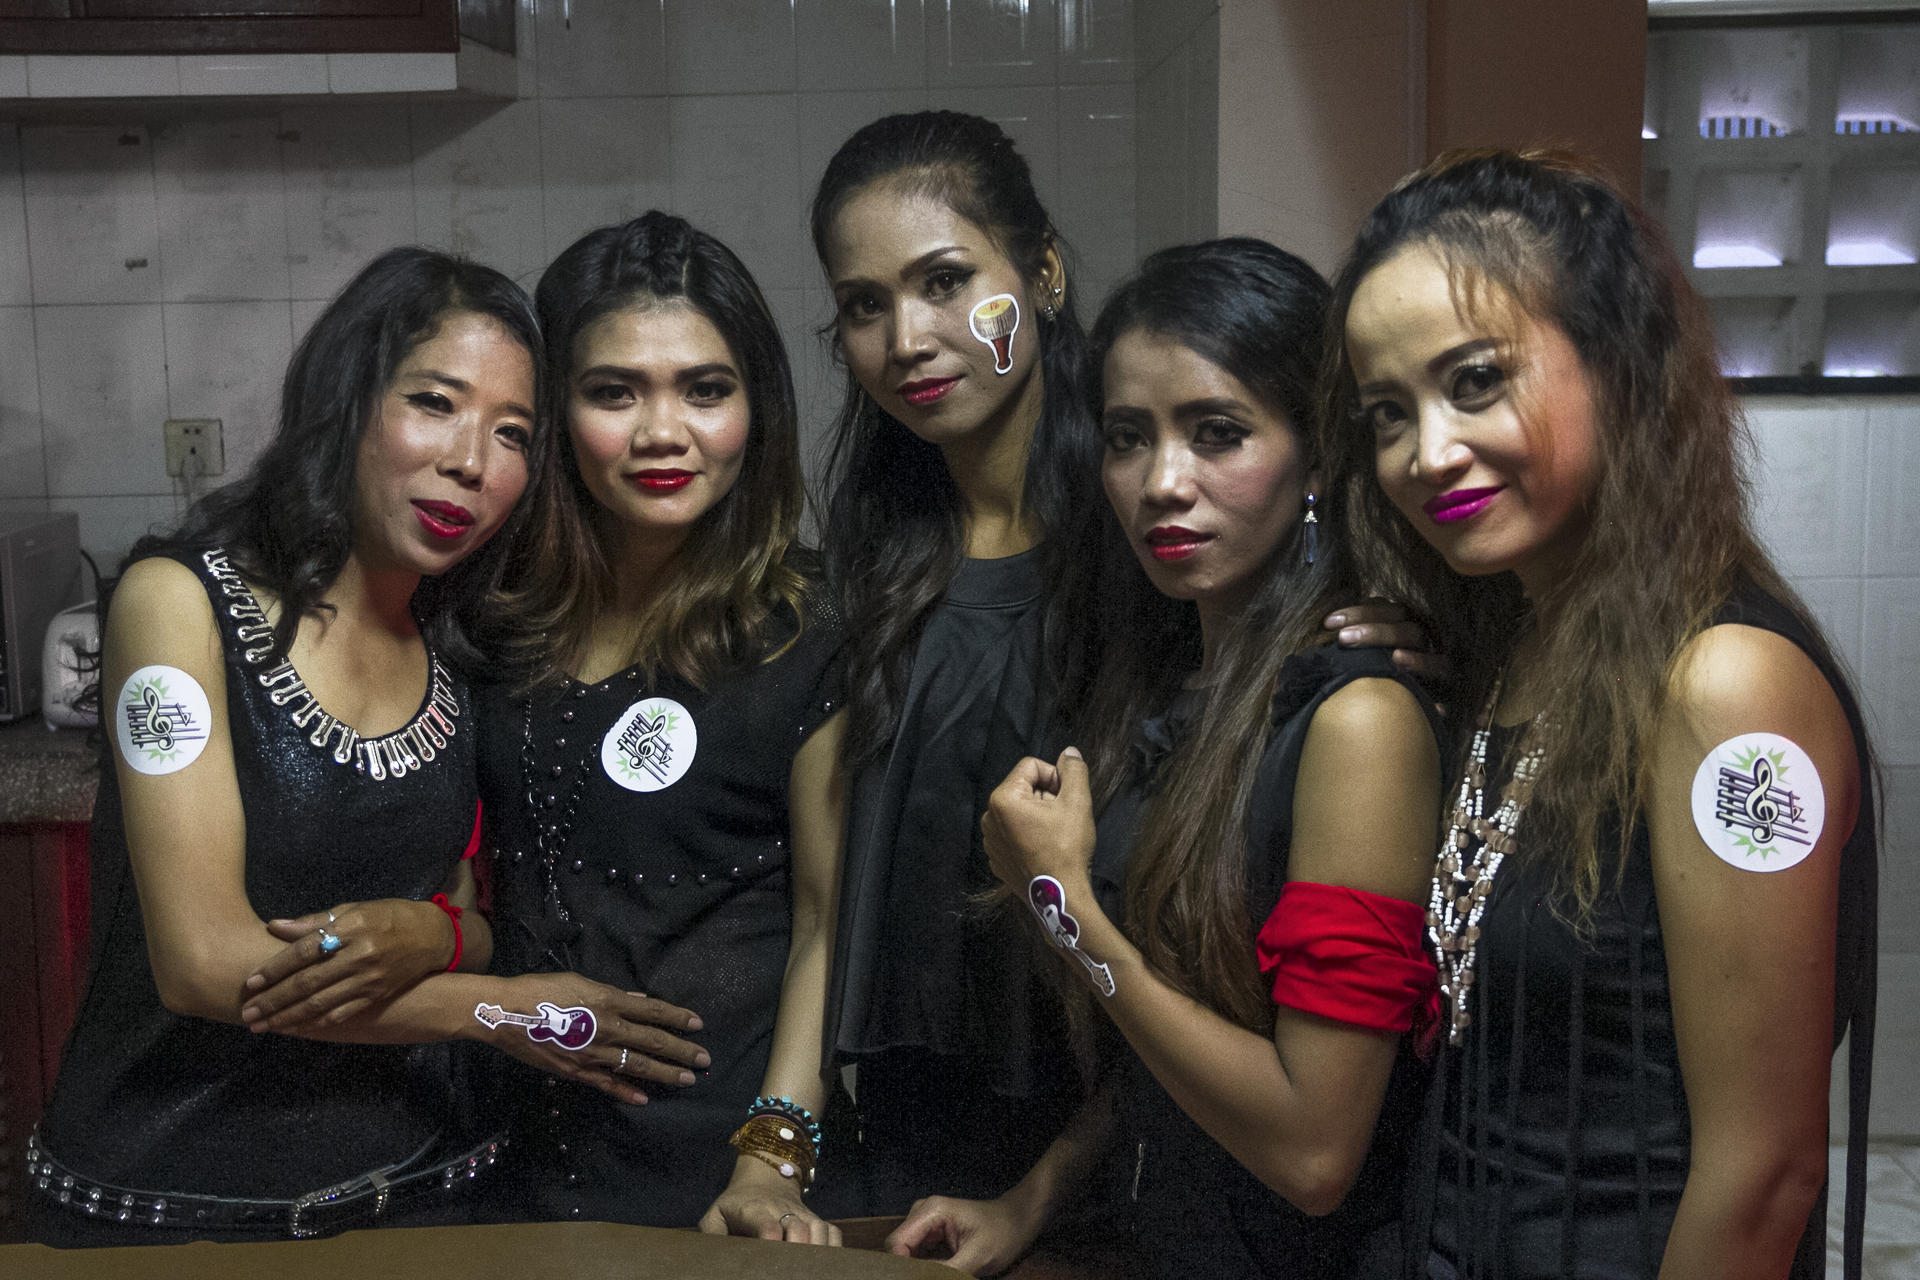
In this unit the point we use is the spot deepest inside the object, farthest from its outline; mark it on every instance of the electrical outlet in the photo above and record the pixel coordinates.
(194, 438)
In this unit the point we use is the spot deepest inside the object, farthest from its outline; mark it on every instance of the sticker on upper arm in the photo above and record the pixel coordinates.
(1758, 802)
(161, 720)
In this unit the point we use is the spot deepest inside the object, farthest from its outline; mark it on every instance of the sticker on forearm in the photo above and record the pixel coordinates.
(1049, 902)
(161, 720)
(1758, 802)
(994, 322)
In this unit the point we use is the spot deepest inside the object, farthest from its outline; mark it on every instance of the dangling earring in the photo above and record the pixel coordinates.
(1047, 310)
(1313, 528)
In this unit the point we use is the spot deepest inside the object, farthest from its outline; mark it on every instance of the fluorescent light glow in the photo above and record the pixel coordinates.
(1734, 255)
(1742, 127)
(1873, 122)
(1647, 133)
(1856, 371)
(1871, 253)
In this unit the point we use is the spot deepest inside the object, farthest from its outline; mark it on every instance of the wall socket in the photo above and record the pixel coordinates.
(194, 438)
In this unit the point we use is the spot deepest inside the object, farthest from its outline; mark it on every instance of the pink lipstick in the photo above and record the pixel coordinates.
(926, 390)
(442, 519)
(1459, 504)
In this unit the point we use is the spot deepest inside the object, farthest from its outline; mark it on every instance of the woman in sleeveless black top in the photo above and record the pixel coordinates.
(1246, 905)
(662, 765)
(1654, 904)
(290, 735)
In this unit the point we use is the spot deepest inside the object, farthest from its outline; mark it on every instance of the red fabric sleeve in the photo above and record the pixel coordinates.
(1353, 956)
(473, 841)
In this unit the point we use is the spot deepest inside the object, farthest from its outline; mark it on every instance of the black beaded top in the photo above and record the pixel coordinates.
(150, 1100)
(641, 839)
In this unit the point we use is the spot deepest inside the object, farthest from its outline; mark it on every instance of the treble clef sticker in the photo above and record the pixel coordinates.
(650, 746)
(161, 720)
(159, 727)
(1758, 802)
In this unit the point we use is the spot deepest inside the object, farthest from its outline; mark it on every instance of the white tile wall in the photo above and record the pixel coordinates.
(165, 261)
(222, 209)
(844, 45)
(724, 46)
(23, 464)
(224, 361)
(92, 217)
(348, 176)
(1810, 489)
(603, 160)
(16, 273)
(103, 396)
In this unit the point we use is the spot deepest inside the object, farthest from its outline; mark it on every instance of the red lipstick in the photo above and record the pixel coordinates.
(1459, 504)
(926, 390)
(442, 519)
(1175, 542)
(662, 479)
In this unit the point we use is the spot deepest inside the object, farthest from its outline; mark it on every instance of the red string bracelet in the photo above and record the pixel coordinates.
(453, 913)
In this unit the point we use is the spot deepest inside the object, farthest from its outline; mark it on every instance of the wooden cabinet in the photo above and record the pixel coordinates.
(252, 26)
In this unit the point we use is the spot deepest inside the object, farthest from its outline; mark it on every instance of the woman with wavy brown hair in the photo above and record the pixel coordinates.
(1653, 906)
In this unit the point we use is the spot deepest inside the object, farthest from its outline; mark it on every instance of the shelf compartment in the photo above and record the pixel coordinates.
(1879, 80)
(1872, 335)
(1875, 216)
(1758, 336)
(1753, 83)
(1747, 218)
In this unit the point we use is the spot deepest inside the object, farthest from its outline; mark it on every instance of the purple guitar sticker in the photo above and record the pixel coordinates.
(570, 1029)
(1049, 902)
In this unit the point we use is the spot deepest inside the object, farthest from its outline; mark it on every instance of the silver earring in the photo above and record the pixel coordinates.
(1046, 311)
(1313, 528)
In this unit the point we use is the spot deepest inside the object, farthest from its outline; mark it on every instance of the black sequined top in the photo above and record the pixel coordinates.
(1558, 1143)
(152, 1101)
(1194, 1210)
(667, 809)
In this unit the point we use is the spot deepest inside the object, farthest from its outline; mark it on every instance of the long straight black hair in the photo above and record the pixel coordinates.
(1258, 313)
(894, 528)
(288, 523)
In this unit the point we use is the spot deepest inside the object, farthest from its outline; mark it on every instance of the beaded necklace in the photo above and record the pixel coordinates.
(1463, 881)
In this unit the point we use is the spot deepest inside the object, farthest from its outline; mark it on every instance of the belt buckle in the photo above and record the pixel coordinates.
(301, 1214)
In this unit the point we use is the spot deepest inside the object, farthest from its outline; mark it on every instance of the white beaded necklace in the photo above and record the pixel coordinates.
(1462, 882)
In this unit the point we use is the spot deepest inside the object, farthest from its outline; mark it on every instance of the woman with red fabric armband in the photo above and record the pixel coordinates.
(1244, 911)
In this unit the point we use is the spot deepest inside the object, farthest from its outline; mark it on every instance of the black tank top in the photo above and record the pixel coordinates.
(154, 1101)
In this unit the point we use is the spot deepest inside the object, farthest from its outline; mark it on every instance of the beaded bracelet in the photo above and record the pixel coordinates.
(453, 914)
(776, 1142)
(793, 1111)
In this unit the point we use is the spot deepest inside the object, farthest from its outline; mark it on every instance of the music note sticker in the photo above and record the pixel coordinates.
(1758, 802)
(650, 746)
(161, 719)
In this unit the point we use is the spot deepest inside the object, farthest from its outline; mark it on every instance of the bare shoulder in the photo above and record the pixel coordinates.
(1375, 716)
(1738, 679)
(160, 613)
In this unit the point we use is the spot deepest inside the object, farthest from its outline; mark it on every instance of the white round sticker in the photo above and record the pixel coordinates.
(161, 720)
(650, 745)
(1758, 802)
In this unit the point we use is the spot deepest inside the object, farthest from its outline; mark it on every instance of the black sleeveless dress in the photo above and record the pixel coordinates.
(1194, 1211)
(1557, 1139)
(665, 810)
(157, 1103)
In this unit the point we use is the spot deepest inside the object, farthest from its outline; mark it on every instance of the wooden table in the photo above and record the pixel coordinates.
(523, 1251)
(526, 1251)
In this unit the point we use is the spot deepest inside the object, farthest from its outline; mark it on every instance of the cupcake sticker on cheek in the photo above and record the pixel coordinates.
(994, 322)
